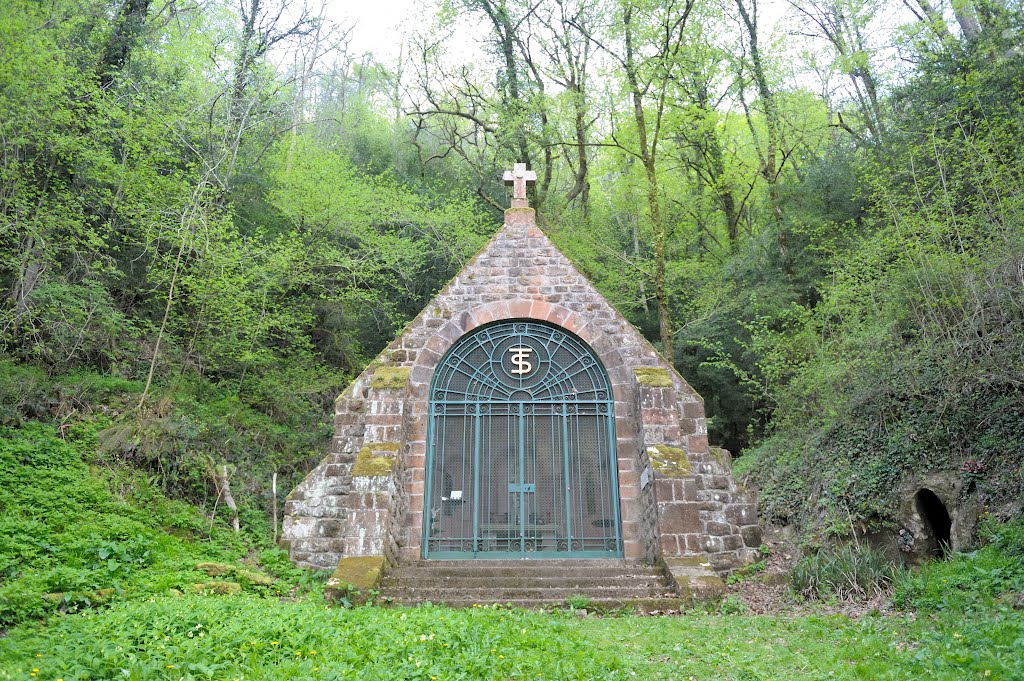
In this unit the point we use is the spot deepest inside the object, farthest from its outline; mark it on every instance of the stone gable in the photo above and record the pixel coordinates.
(677, 499)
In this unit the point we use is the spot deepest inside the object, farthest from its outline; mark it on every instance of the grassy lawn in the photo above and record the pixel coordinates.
(250, 637)
(98, 573)
(217, 637)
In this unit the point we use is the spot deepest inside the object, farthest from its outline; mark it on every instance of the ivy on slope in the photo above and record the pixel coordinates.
(74, 536)
(861, 460)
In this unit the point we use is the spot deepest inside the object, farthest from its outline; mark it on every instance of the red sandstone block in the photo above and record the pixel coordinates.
(539, 310)
(669, 544)
(689, 489)
(558, 315)
(573, 322)
(453, 330)
(693, 409)
(519, 308)
(664, 490)
(632, 550)
(437, 345)
(625, 428)
(698, 444)
(678, 518)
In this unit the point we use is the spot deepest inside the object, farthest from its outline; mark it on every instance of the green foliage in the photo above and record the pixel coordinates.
(972, 581)
(243, 637)
(970, 603)
(73, 536)
(852, 570)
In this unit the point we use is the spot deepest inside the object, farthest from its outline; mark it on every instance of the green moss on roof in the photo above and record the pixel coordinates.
(370, 466)
(671, 462)
(654, 377)
(389, 378)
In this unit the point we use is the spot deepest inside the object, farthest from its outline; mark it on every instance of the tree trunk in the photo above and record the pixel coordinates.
(273, 494)
(222, 481)
(771, 112)
(129, 27)
(648, 155)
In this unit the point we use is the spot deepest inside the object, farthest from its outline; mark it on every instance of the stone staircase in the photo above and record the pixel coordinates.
(599, 584)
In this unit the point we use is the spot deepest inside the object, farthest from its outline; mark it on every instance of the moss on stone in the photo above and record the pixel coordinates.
(389, 378)
(215, 569)
(218, 588)
(694, 578)
(723, 457)
(370, 466)
(678, 562)
(98, 597)
(354, 578)
(671, 462)
(653, 377)
(238, 572)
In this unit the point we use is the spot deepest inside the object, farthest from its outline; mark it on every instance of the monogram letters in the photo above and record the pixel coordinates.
(521, 358)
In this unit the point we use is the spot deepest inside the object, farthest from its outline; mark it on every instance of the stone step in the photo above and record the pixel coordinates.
(499, 594)
(413, 580)
(593, 605)
(528, 563)
(609, 584)
(527, 568)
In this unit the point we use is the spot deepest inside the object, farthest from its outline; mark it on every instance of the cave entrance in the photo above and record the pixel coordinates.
(936, 518)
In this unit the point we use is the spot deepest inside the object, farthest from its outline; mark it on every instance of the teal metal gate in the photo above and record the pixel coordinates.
(521, 449)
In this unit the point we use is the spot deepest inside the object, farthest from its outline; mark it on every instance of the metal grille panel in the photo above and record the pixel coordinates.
(521, 448)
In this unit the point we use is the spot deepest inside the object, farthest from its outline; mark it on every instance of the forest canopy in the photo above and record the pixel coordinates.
(216, 214)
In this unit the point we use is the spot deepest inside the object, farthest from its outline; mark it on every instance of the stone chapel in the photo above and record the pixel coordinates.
(521, 418)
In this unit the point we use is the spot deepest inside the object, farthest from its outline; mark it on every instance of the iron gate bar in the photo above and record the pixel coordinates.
(565, 397)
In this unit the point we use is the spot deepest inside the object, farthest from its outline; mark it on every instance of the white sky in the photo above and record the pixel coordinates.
(380, 24)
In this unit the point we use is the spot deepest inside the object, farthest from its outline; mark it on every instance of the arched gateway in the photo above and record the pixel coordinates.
(521, 448)
(520, 416)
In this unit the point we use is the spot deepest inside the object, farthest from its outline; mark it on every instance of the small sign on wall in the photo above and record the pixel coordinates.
(645, 477)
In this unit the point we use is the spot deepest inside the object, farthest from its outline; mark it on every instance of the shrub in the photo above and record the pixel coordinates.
(850, 571)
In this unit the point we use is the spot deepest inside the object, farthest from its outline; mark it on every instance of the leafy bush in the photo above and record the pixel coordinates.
(849, 571)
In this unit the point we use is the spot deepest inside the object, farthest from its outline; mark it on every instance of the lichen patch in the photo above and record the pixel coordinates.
(390, 378)
(671, 462)
(376, 460)
(653, 377)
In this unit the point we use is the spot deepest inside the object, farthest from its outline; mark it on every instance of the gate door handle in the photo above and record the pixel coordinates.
(525, 487)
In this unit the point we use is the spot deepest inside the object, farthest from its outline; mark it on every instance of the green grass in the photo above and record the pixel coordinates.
(223, 637)
(247, 637)
(73, 528)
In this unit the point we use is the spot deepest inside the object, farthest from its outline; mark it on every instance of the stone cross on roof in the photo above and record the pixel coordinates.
(518, 177)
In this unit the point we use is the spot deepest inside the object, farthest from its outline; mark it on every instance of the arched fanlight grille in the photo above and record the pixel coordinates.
(521, 448)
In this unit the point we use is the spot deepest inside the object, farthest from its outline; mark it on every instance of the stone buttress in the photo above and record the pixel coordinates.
(361, 509)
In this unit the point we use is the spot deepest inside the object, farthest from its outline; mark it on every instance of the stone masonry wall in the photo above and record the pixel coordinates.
(366, 497)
